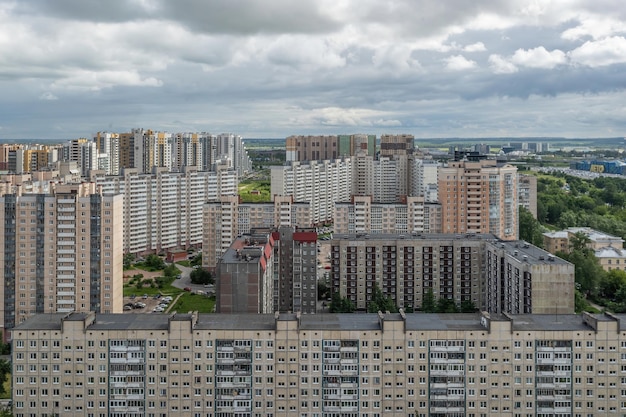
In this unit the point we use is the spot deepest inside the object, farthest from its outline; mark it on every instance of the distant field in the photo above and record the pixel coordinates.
(255, 191)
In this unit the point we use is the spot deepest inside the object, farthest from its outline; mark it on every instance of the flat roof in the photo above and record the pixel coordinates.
(346, 322)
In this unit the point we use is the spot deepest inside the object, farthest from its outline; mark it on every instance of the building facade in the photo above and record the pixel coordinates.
(61, 252)
(365, 365)
(493, 275)
(245, 276)
(479, 197)
(226, 218)
(319, 183)
(161, 210)
(295, 264)
(362, 215)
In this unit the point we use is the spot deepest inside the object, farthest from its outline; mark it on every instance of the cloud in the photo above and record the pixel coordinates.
(500, 65)
(475, 47)
(459, 63)
(278, 67)
(539, 58)
(600, 53)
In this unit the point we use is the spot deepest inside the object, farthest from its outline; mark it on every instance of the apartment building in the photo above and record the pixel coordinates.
(319, 183)
(311, 148)
(226, 218)
(362, 215)
(161, 209)
(495, 276)
(245, 276)
(62, 252)
(295, 266)
(527, 193)
(357, 365)
(608, 249)
(479, 196)
(403, 144)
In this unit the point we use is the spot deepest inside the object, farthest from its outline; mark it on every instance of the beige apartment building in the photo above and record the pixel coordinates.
(227, 218)
(479, 197)
(62, 252)
(362, 215)
(328, 365)
(496, 276)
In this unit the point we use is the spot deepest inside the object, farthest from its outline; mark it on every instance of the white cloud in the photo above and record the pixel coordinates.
(388, 123)
(95, 81)
(596, 27)
(475, 47)
(459, 63)
(539, 58)
(500, 65)
(600, 53)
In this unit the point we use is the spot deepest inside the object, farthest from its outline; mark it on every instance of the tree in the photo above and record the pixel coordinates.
(171, 271)
(587, 270)
(5, 369)
(468, 306)
(129, 258)
(381, 303)
(322, 290)
(446, 305)
(154, 262)
(530, 229)
(201, 276)
(340, 304)
(428, 304)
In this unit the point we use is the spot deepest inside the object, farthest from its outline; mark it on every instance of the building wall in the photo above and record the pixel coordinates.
(161, 210)
(412, 365)
(496, 276)
(479, 197)
(62, 252)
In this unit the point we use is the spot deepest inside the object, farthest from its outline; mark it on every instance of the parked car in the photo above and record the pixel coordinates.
(145, 296)
(127, 307)
(157, 296)
(139, 305)
(132, 296)
(187, 289)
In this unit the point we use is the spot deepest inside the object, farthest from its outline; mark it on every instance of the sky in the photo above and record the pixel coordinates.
(274, 68)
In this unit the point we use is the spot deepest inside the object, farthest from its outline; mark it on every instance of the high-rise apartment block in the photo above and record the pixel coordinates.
(496, 276)
(362, 215)
(225, 218)
(318, 148)
(162, 210)
(319, 183)
(61, 252)
(479, 197)
(366, 365)
(403, 144)
(527, 193)
(295, 286)
(245, 275)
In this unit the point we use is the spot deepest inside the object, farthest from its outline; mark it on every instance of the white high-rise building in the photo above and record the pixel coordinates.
(163, 210)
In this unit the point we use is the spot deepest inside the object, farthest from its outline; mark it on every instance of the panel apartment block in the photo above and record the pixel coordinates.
(61, 252)
(226, 218)
(162, 209)
(356, 365)
(496, 276)
(362, 215)
(319, 183)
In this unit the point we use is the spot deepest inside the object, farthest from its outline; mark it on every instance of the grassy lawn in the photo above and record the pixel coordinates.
(184, 263)
(255, 191)
(194, 302)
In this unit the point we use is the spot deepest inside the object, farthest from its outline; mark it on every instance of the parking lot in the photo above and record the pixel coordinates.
(149, 302)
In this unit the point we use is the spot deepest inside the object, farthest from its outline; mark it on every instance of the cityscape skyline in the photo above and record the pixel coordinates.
(478, 69)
